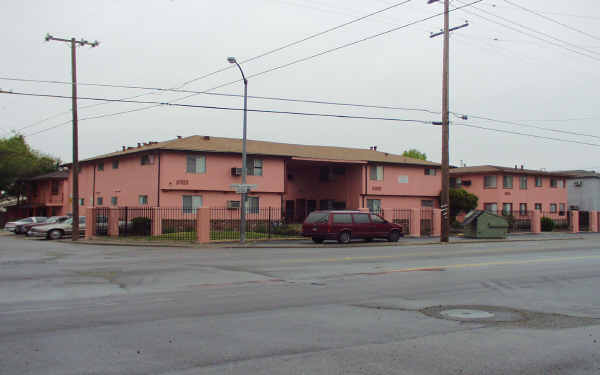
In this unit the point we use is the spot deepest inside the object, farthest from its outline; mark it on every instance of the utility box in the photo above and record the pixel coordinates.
(483, 224)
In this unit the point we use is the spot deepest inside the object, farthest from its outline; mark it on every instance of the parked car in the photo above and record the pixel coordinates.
(11, 226)
(25, 228)
(346, 225)
(57, 231)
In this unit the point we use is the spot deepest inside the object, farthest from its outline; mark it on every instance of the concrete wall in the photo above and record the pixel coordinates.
(586, 196)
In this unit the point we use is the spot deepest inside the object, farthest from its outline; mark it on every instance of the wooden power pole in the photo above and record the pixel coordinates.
(75, 202)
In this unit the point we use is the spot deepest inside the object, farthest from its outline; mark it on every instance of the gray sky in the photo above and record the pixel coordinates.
(163, 43)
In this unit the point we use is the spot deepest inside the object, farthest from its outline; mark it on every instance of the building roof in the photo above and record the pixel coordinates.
(234, 145)
(481, 169)
(581, 174)
(58, 175)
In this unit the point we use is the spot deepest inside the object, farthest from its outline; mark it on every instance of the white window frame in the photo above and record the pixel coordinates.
(486, 207)
(430, 171)
(504, 209)
(376, 172)
(114, 201)
(374, 205)
(99, 201)
(254, 167)
(195, 202)
(553, 208)
(523, 182)
(489, 186)
(541, 181)
(505, 182)
(199, 164)
(252, 205)
(142, 200)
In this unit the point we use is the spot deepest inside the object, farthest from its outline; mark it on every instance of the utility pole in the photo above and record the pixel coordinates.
(445, 198)
(75, 203)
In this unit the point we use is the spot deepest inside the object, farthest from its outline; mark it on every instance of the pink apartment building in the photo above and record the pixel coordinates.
(198, 171)
(502, 189)
(45, 196)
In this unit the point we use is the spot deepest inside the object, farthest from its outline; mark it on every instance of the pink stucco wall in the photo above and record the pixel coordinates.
(499, 195)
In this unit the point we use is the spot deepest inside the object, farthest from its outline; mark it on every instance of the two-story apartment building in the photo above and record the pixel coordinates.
(198, 171)
(508, 190)
(45, 195)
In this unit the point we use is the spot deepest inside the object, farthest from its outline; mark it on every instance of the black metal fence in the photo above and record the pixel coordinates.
(559, 221)
(584, 221)
(402, 218)
(426, 221)
(263, 223)
(518, 221)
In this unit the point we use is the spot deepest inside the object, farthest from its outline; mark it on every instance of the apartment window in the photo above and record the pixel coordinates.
(143, 200)
(430, 171)
(377, 172)
(113, 201)
(538, 206)
(553, 207)
(507, 182)
(553, 182)
(81, 201)
(523, 182)
(255, 167)
(489, 182)
(54, 187)
(191, 203)
(100, 166)
(145, 160)
(561, 183)
(115, 164)
(99, 201)
(562, 207)
(491, 207)
(196, 164)
(374, 205)
(252, 205)
(427, 203)
(538, 181)
(507, 209)
(523, 209)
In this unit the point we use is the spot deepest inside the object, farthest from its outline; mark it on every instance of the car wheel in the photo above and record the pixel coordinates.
(394, 236)
(318, 239)
(55, 234)
(369, 239)
(344, 237)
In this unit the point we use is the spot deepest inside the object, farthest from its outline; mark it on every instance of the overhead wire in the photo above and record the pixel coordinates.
(263, 54)
(301, 59)
(552, 20)
(313, 114)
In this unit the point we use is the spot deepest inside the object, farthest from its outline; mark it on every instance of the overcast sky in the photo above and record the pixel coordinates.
(496, 72)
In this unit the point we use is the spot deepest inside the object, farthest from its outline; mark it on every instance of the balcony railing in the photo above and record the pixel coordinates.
(46, 199)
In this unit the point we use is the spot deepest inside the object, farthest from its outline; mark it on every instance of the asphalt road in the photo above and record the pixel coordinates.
(81, 309)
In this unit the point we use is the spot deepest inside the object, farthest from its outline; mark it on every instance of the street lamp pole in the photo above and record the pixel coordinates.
(244, 197)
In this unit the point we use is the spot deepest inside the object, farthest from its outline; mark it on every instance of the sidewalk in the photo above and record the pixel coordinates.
(307, 243)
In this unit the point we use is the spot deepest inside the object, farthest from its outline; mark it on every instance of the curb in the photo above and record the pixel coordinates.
(304, 246)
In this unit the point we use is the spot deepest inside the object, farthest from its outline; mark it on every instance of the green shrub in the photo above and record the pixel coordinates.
(288, 229)
(547, 224)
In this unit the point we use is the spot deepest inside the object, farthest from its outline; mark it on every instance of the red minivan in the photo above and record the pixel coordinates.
(345, 225)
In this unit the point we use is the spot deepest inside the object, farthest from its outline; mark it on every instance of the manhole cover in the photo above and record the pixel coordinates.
(466, 314)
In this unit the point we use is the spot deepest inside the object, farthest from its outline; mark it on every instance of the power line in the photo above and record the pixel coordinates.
(303, 59)
(552, 20)
(312, 36)
(525, 134)
(311, 114)
(221, 94)
(309, 101)
(533, 36)
(297, 42)
(531, 126)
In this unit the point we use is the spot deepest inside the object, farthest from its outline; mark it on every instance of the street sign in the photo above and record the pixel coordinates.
(243, 188)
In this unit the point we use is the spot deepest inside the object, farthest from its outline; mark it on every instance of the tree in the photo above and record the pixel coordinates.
(461, 201)
(18, 160)
(415, 154)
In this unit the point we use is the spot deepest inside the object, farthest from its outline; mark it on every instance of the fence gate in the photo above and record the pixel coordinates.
(101, 228)
(402, 218)
(426, 221)
(584, 221)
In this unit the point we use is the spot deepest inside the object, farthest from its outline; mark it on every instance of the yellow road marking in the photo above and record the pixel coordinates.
(421, 253)
(499, 263)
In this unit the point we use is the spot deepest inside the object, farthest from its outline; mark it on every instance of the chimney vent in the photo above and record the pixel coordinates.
(124, 148)
(374, 148)
(521, 166)
(178, 137)
(207, 137)
(139, 145)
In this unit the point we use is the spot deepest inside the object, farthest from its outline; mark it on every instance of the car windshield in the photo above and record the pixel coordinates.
(317, 217)
(69, 221)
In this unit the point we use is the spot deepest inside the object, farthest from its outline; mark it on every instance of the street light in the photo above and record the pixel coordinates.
(244, 187)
